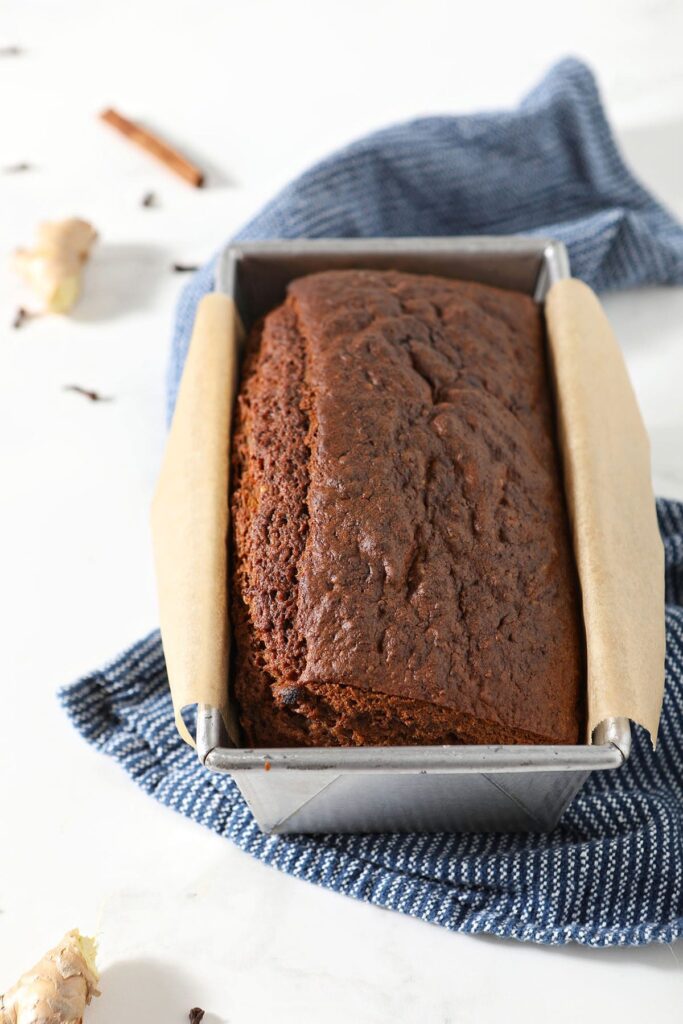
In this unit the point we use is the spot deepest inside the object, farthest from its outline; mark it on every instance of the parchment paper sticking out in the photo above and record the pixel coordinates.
(190, 518)
(606, 456)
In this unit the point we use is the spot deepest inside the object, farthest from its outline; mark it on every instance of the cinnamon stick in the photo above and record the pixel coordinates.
(154, 145)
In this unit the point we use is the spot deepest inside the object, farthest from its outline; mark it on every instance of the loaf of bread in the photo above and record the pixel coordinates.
(401, 566)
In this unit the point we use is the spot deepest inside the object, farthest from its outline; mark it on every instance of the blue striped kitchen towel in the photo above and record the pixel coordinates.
(612, 871)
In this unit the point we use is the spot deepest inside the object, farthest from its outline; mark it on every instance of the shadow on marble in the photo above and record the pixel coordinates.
(146, 991)
(662, 957)
(121, 279)
(646, 320)
(214, 176)
(667, 457)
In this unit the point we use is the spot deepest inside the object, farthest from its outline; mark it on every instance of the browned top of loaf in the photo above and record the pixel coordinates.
(400, 519)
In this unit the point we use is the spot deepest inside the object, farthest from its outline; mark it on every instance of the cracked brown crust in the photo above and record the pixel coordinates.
(401, 565)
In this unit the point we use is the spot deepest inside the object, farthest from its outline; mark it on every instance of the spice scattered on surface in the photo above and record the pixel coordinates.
(16, 168)
(10, 51)
(150, 142)
(19, 317)
(149, 199)
(196, 1014)
(185, 268)
(59, 987)
(54, 266)
(94, 396)
(266, 766)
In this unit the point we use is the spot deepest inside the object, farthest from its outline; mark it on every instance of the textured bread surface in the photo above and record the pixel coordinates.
(401, 567)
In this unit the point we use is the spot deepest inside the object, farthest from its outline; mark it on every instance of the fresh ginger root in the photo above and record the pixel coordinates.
(54, 268)
(59, 987)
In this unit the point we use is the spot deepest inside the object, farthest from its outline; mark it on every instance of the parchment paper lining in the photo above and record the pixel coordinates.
(190, 518)
(619, 553)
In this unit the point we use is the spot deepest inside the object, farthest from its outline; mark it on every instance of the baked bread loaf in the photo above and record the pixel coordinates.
(401, 567)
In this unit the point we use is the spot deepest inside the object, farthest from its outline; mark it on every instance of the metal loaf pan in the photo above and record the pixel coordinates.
(399, 789)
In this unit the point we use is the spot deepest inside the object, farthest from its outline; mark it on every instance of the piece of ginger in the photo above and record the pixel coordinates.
(53, 269)
(59, 987)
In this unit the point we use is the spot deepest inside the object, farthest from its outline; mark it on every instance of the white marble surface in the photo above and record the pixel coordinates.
(257, 90)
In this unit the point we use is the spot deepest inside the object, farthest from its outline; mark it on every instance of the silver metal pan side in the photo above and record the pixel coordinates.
(611, 747)
(256, 274)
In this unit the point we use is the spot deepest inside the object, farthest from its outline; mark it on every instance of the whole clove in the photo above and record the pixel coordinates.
(149, 199)
(196, 1014)
(19, 317)
(94, 396)
(16, 168)
(185, 268)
